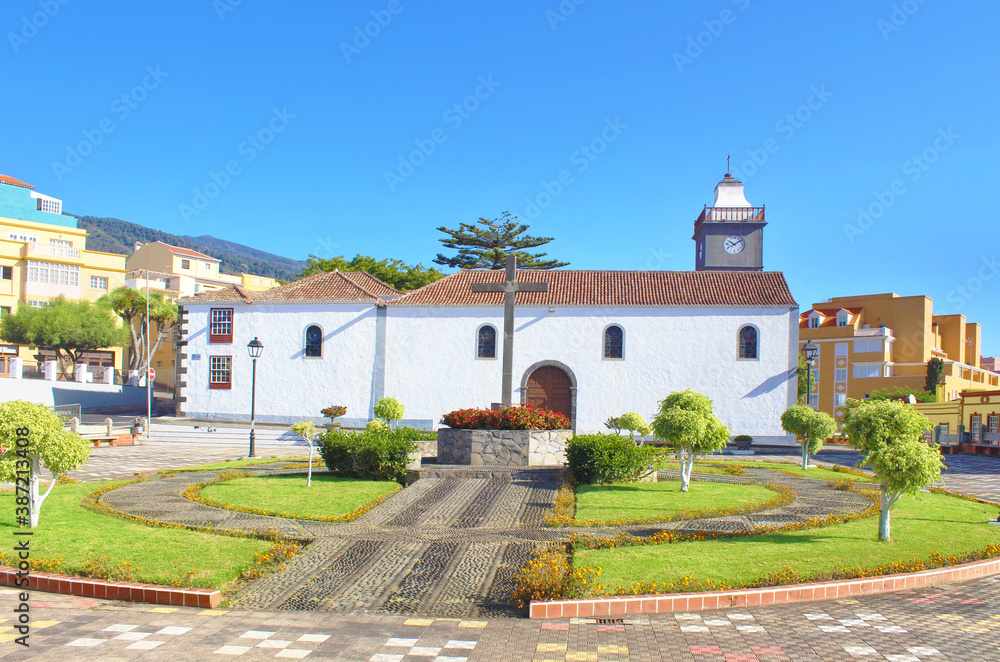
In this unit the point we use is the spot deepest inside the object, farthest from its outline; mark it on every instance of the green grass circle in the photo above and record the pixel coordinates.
(287, 494)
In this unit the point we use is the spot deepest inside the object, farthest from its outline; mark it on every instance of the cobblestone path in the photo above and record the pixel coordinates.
(446, 546)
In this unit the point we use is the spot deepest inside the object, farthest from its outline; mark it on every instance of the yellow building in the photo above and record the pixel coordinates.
(174, 271)
(43, 255)
(881, 341)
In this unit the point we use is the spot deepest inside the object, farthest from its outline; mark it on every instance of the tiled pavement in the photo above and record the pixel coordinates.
(956, 623)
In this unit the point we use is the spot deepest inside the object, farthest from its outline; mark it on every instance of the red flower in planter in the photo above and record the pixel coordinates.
(524, 417)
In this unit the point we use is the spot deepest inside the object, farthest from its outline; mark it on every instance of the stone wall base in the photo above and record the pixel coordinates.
(508, 448)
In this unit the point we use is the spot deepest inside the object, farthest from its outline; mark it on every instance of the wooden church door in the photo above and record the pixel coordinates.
(549, 388)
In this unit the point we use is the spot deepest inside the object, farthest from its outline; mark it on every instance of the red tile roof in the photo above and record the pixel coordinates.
(187, 252)
(5, 179)
(326, 287)
(612, 288)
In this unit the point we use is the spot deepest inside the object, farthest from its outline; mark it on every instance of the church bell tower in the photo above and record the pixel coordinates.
(729, 235)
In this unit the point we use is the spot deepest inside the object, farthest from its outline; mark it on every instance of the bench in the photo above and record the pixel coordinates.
(985, 449)
(114, 440)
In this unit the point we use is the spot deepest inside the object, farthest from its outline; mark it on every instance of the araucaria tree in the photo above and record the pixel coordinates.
(888, 436)
(687, 423)
(31, 436)
(487, 246)
(68, 327)
(810, 427)
(130, 305)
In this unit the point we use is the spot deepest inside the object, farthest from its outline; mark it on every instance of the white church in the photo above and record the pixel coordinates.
(594, 344)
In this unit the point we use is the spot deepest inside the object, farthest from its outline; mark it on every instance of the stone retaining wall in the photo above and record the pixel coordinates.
(510, 448)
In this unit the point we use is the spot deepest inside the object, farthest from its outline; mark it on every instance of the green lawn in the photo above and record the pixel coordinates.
(646, 501)
(796, 468)
(70, 532)
(329, 496)
(236, 464)
(932, 523)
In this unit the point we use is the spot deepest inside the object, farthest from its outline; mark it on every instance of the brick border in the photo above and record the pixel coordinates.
(757, 597)
(205, 598)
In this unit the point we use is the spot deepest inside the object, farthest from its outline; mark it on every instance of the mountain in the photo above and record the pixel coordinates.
(113, 235)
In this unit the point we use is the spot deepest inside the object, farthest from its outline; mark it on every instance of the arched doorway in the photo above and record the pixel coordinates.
(550, 387)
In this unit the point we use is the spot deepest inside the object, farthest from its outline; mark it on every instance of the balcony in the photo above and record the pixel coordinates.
(34, 249)
(880, 332)
(746, 214)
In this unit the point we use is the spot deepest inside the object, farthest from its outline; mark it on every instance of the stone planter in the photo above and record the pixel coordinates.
(506, 448)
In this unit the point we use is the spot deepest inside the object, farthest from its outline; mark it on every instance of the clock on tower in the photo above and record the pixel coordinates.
(729, 235)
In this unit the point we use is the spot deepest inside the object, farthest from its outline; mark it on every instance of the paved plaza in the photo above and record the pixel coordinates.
(424, 576)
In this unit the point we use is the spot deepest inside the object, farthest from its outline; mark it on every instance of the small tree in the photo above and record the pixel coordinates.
(633, 422)
(614, 423)
(307, 430)
(888, 436)
(687, 423)
(31, 436)
(934, 369)
(389, 409)
(803, 379)
(810, 428)
(68, 327)
(486, 247)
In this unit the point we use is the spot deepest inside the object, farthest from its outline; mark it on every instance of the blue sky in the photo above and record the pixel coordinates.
(137, 110)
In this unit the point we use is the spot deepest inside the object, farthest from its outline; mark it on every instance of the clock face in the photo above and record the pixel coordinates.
(734, 244)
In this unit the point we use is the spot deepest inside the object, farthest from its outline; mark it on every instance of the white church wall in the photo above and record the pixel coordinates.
(290, 386)
(432, 368)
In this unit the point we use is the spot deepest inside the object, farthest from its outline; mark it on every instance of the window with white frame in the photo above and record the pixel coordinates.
(867, 345)
(53, 273)
(220, 372)
(50, 205)
(814, 400)
(13, 236)
(814, 322)
(220, 328)
(975, 427)
(38, 304)
(840, 349)
(840, 374)
(839, 399)
(843, 318)
(98, 283)
(185, 264)
(61, 242)
(994, 423)
(866, 370)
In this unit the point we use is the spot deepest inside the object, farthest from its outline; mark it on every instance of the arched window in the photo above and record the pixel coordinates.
(614, 342)
(748, 342)
(314, 341)
(486, 342)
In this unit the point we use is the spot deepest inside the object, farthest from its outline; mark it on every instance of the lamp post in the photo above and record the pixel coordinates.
(255, 347)
(810, 350)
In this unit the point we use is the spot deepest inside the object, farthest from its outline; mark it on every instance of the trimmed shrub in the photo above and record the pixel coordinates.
(373, 454)
(524, 417)
(389, 409)
(608, 458)
(743, 437)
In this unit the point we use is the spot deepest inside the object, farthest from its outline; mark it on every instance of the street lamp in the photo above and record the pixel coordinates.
(255, 347)
(810, 351)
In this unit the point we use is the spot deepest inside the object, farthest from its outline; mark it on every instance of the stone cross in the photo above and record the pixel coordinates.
(509, 287)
